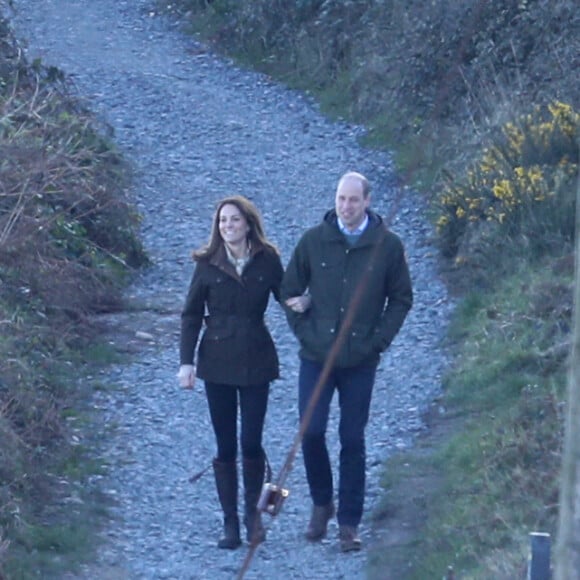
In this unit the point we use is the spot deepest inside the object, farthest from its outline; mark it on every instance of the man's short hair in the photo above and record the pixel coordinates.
(359, 177)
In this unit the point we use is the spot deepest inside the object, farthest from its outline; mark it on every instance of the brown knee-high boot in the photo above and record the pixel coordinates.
(253, 482)
(226, 479)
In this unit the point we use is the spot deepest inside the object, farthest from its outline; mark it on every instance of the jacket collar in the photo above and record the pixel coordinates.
(220, 260)
(331, 231)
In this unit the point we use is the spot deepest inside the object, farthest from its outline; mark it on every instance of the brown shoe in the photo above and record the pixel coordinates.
(349, 540)
(319, 521)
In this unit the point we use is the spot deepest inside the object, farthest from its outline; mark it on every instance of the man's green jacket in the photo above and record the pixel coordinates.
(371, 277)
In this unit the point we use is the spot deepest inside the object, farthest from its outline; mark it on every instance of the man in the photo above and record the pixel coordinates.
(349, 251)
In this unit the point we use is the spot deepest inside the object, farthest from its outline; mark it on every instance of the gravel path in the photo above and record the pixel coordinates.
(197, 128)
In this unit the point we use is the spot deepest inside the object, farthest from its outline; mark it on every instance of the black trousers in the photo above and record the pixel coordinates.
(223, 409)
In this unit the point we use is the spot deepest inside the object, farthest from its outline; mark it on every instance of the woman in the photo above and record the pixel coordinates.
(231, 285)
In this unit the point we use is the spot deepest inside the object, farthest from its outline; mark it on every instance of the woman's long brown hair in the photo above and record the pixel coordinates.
(256, 236)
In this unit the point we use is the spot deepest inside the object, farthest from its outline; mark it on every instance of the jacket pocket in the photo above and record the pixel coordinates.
(362, 343)
(316, 335)
(219, 329)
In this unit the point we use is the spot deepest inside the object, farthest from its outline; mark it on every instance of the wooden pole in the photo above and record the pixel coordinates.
(568, 541)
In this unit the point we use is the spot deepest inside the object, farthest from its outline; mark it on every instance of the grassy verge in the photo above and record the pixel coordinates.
(493, 477)
(68, 244)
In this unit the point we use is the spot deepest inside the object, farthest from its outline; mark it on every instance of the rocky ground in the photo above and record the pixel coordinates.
(198, 128)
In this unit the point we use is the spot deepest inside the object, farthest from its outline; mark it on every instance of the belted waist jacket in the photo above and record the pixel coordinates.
(236, 347)
(330, 270)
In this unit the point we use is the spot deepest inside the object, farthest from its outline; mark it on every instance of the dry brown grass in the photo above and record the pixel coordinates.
(67, 243)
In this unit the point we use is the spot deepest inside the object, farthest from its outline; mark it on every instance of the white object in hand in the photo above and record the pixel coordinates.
(186, 376)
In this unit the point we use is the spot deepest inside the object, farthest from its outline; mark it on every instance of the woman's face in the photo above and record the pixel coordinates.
(232, 225)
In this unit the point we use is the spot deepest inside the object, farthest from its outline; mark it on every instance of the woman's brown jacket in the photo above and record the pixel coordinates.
(236, 347)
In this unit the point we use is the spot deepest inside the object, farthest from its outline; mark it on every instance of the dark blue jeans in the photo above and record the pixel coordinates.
(223, 410)
(354, 386)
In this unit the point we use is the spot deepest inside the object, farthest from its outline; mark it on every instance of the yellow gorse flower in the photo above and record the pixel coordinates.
(528, 165)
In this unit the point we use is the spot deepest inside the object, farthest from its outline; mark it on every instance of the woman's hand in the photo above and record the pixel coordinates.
(299, 304)
(186, 376)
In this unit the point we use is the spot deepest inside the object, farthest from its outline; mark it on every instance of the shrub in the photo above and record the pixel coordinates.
(68, 239)
(67, 231)
(521, 187)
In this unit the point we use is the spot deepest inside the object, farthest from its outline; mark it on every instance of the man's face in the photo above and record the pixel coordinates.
(350, 203)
